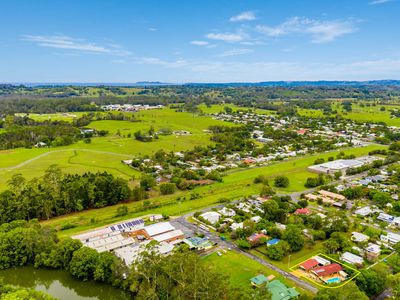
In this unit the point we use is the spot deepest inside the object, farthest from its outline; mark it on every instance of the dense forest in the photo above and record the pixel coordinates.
(56, 194)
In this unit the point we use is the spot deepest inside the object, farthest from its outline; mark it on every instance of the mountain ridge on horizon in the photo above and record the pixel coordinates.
(279, 83)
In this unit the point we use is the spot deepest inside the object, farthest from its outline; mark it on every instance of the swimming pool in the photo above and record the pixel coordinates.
(333, 280)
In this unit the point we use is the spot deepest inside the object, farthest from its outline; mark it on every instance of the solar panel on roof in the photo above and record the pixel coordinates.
(112, 228)
(119, 226)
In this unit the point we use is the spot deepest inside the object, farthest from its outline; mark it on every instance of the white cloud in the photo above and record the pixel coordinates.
(235, 52)
(160, 62)
(226, 37)
(200, 43)
(375, 2)
(320, 31)
(244, 16)
(235, 71)
(68, 43)
(153, 29)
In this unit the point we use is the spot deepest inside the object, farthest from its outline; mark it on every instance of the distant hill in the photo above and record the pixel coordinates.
(320, 83)
(302, 83)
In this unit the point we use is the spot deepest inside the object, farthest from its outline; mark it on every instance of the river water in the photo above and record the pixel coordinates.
(60, 284)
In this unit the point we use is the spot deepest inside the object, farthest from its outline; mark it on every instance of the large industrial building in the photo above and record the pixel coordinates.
(129, 238)
(341, 165)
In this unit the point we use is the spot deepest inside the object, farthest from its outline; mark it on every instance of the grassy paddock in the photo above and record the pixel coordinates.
(358, 113)
(240, 269)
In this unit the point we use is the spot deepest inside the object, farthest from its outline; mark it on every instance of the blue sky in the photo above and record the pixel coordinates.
(198, 41)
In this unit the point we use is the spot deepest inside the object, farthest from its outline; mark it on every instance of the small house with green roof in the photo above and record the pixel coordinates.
(279, 291)
(258, 280)
(198, 243)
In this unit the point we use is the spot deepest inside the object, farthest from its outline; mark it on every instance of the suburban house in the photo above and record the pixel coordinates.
(227, 212)
(364, 211)
(391, 238)
(385, 218)
(309, 264)
(330, 273)
(352, 258)
(258, 280)
(279, 291)
(256, 237)
(236, 226)
(331, 195)
(359, 237)
(197, 243)
(302, 211)
(211, 216)
(372, 252)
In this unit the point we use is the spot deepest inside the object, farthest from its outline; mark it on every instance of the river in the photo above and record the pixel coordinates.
(60, 284)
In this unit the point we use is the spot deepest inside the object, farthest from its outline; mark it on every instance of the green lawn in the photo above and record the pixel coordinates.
(240, 269)
(295, 257)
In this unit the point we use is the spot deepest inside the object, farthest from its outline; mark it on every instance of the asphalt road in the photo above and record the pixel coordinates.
(182, 222)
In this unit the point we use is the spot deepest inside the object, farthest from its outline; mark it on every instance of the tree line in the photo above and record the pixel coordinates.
(57, 194)
(181, 275)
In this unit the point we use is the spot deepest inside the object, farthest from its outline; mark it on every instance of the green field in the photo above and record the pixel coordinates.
(240, 269)
(358, 113)
(235, 185)
(106, 153)
(220, 108)
(68, 117)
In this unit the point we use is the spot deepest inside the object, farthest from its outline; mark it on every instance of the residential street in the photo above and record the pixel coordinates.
(182, 222)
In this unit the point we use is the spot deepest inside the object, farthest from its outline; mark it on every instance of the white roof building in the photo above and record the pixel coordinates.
(236, 226)
(391, 238)
(385, 217)
(352, 258)
(170, 235)
(130, 253)
(363, 211)
(256, 219)
(396, 221)
(359, 237)
(211, 216)
(373, 248)
(158, 228)
(322, 261)
(227, 212)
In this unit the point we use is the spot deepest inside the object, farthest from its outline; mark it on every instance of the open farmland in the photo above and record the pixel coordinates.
(106, 153)
(359, 113)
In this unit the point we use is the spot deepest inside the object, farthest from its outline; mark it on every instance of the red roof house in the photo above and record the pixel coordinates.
(309, 264)
(302, 211)
(325, 271)
(301, 131)
(255, 238)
